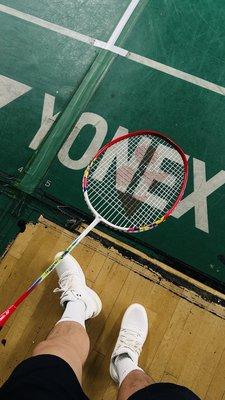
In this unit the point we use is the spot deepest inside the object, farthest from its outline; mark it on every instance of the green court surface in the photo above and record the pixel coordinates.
(72, 76)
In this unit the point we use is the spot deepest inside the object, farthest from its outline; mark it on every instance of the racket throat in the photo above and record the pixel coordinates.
(83, 234)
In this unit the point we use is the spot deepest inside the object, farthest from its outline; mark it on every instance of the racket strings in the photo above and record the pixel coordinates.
(119, 187)
(113, 203)
(125, 175)
(120, 154)
(151, 169)
(106, 207)
(105, 210)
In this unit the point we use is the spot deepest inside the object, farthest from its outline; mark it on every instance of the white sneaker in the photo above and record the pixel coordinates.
(73, 286)
(132, 335)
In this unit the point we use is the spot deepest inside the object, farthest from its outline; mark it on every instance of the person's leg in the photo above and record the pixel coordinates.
(134, 383)
(54, 372)
(68, 339)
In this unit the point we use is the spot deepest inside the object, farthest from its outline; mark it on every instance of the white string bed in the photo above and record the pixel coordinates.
(136, 181)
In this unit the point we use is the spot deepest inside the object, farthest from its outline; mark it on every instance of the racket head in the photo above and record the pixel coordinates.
(136, 181)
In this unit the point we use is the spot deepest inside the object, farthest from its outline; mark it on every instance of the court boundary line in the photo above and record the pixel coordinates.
(195, 80)
(122, 22)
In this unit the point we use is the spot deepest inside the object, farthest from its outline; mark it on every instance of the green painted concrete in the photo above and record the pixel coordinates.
(184, 34)
(94, 18)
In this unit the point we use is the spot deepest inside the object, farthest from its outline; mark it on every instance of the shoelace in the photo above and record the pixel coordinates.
(131, 339)
(66, 283)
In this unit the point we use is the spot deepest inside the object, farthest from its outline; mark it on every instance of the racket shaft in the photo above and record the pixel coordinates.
(5, 315)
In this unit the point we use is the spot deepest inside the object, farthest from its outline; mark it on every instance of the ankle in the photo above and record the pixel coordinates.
(124, 366)
(132, 383)
(74, 312)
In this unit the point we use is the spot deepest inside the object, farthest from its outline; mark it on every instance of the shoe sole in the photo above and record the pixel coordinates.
(113, 373)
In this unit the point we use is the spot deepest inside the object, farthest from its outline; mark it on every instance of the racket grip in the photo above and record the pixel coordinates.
(6, 314)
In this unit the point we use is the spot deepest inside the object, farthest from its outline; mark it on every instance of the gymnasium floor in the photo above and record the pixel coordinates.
(186, 340)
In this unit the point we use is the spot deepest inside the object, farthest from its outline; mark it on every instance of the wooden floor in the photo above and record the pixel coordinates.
(186, 343)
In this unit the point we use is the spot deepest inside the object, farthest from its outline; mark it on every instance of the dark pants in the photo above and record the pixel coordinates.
(47, 377)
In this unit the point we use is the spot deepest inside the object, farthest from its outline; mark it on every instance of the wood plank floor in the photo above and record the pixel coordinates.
(186, 343)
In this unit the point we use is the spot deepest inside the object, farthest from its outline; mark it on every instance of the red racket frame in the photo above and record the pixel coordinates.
(162, 136)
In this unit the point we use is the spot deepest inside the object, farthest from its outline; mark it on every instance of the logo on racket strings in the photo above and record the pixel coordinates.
(145, 174)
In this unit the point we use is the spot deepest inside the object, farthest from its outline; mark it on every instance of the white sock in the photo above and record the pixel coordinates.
(124, 366)
(74, 312)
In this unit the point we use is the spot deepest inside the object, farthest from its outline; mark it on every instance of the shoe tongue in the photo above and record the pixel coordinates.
(129, 351)
(131, 333)
(131, 326)
(68, 280)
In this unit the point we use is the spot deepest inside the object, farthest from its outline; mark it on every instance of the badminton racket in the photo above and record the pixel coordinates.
(132, 184)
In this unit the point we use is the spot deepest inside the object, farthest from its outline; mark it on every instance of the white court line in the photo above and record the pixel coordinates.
(60, 29)
(123, 21)
(116, 50)
(195, 80)
(112, 48)
(46, 24)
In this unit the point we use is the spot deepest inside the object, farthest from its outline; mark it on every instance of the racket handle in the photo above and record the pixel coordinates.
(4, 316)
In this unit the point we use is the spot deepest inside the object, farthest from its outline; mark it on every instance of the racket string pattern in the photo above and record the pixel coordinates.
(135, 182)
